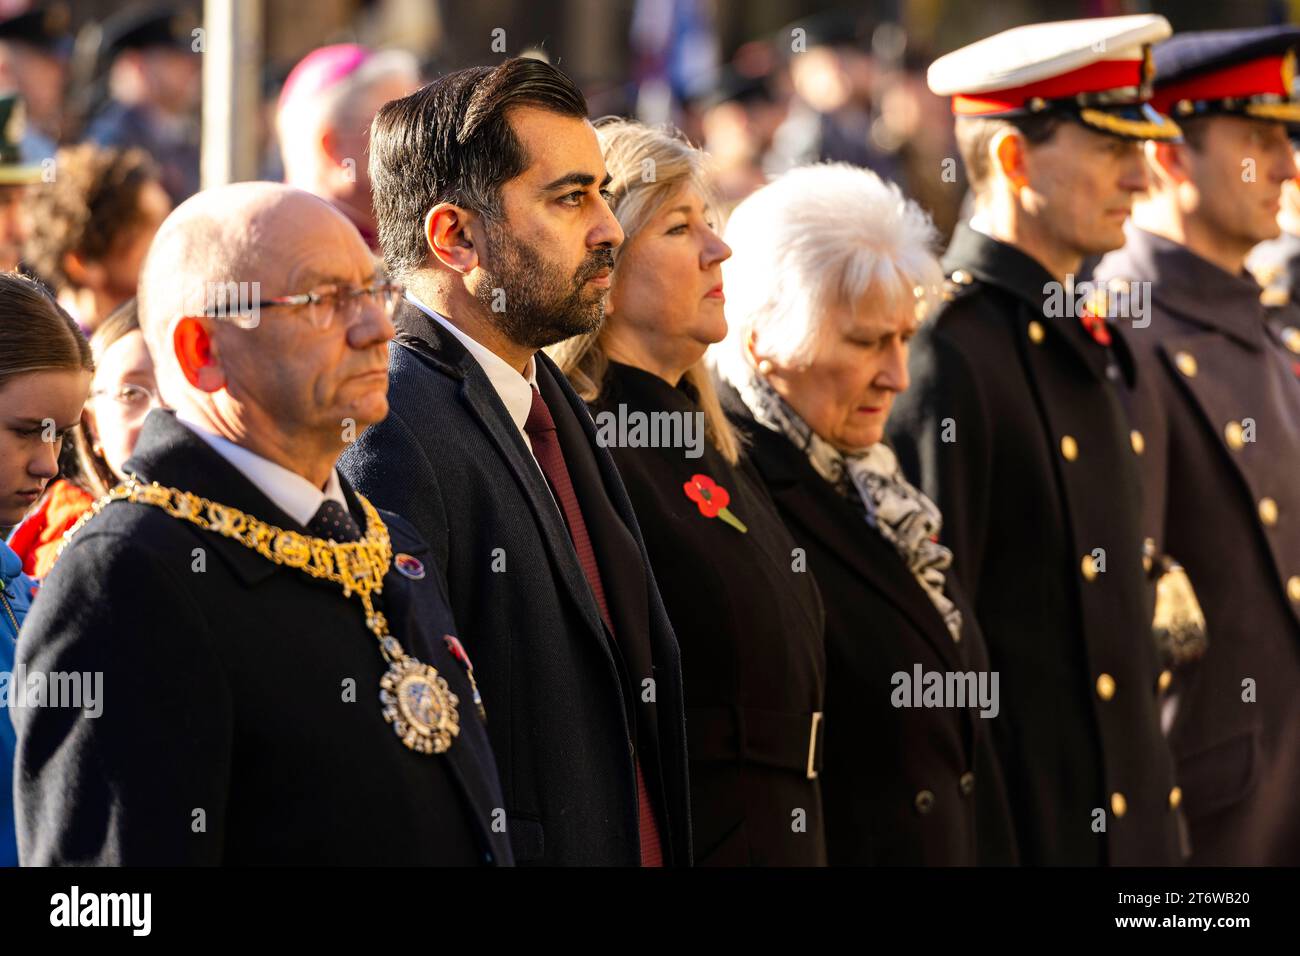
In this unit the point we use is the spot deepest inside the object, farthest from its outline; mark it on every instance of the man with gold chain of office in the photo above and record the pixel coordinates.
(284, 684)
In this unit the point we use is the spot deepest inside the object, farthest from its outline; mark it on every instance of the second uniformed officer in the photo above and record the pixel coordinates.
(1016, 426)
(1229, 398)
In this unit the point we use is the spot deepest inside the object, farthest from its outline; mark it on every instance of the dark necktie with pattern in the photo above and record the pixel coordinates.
(333, 521)
(546, 449)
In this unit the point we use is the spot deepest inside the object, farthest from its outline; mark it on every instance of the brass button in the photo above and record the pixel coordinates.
(1069, 448)
(924, 802)
(1036, 333)
(1291, 338)
(1089, 567)
(1137, 441)
(1186, 364)
(1105, 687)
(1175, 798)
(1268, 511)
(1293, 588)
(1164, 680)
(967, 783)
(961, 277)
(1274, 296)
(1148, 554)
(1118, 805)
(1233, 435)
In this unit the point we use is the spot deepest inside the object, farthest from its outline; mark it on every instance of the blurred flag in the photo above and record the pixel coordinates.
(675, 47)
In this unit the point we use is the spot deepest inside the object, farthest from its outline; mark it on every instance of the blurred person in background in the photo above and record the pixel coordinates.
(832, 272)
(323, 122)
(154, 86)
(34, 48)
(16, 178)
(748, 619)
(737, 119)
(122, 393)
(45, 371)
(836, 81)
(91, 226)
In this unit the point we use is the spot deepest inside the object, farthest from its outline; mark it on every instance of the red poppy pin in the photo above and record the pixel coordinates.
(712, 500)
(1094, 321)
(458, 651)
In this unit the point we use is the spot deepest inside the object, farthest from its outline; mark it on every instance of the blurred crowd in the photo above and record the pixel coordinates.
(101, 127)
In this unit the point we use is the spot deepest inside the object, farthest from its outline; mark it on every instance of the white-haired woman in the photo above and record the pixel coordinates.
(831, 272)
(746, 613)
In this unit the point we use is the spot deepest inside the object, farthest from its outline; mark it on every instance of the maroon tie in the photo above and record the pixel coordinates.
(546, 449)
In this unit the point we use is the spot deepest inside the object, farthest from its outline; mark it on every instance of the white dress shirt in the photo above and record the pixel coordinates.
(290, 492)
(515, 390)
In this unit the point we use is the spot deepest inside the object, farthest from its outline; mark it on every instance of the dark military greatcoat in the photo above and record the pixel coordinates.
(1014, 423)
(1225, 490)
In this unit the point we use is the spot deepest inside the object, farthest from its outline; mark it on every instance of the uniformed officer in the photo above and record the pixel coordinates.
(1016, 426)
(1225, 392)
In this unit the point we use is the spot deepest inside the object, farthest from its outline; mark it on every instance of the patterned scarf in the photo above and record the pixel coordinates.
(899, 511)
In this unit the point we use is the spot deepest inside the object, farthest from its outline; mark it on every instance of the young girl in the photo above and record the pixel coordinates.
(45, 372)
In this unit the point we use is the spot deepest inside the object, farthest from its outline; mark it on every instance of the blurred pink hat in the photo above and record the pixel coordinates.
(321, 69)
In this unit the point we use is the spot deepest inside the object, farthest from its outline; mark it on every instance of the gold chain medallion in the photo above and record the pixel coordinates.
(417, 700)
(419, 705)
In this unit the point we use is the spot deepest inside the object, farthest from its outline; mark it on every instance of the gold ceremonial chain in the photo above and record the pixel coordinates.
(417, 700)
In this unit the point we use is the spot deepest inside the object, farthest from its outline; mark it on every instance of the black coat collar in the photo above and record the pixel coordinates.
(799, 490)
(645, 390)
(422, 333)
(997, 263)
(1003, 266)
(1191, 287)
(428, 338)
(169, 453)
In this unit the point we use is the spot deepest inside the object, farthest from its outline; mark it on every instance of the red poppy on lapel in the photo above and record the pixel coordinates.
(1095, 323)
(712, 500)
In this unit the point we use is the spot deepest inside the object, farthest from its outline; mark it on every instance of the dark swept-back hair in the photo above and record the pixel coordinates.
(451, 142)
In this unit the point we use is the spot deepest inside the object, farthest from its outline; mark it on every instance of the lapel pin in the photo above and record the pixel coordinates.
(458, 651)
(409, 566)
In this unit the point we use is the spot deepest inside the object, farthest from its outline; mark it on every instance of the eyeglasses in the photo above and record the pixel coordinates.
(136, 400)
(322, 307)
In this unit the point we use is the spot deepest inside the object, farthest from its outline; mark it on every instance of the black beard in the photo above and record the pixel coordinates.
(531, 301)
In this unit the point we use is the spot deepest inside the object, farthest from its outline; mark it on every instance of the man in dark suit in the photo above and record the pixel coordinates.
(281, 679)
(1227, 396)
(488, 191)
(1015, 426)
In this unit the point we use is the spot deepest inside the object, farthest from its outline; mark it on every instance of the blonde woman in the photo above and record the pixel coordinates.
(746, 612)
